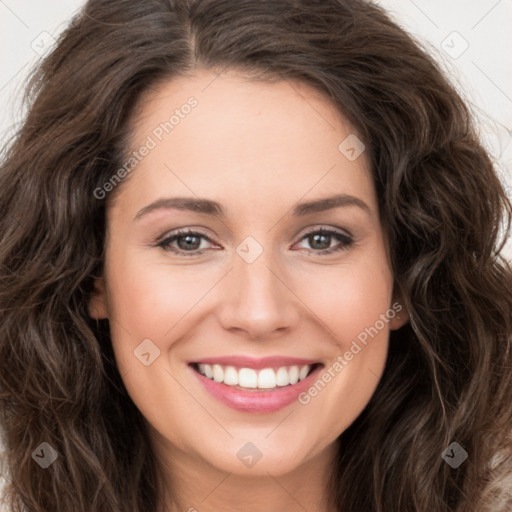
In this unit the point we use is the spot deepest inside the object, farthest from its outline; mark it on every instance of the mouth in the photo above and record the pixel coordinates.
(251, 379)
(256, 386)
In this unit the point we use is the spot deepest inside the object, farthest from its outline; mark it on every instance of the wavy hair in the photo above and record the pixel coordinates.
(448, 376)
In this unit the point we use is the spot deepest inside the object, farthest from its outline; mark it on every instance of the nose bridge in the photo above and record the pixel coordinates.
(256, 299)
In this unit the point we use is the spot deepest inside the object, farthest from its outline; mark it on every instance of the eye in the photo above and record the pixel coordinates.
(320, 240)
(188, 242)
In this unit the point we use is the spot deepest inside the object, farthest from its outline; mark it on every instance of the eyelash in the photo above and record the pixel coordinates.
(345, 241)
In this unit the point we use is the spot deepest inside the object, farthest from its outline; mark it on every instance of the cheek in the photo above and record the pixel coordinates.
(149, 299)
(352, 302)
(348, 299)
(146, 302)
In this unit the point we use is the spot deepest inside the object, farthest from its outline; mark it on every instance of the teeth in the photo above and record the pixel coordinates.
(230, 376)
(206, 371)
(268, 378)
(247, 378)
(303, 373)
(282, 377)
(294, 374)
(218, 373)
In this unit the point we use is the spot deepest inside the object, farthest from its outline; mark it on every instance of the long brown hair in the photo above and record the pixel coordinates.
(448, 376)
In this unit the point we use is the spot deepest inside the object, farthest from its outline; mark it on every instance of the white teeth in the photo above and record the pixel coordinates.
(294, 374)
(207, 370)
(230, 376)
(267, 378)
(218, 373)
(247, 378)
(303, 373)
(282, 378)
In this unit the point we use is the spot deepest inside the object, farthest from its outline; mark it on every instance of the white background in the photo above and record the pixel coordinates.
(471, 38)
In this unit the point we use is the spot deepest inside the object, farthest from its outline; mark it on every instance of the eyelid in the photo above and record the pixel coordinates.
(315, 229)
(183, 232)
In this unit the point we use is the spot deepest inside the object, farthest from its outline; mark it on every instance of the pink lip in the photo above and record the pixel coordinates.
(255, 363)
(257, 401)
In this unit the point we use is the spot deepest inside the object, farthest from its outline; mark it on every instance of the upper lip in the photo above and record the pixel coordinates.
(256, 363)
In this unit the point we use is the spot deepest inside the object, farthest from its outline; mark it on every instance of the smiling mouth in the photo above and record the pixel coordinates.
(249, 379)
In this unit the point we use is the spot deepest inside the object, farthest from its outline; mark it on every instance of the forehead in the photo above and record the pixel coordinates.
(216, 135)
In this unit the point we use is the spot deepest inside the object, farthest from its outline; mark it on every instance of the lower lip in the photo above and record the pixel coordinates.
(257, 401)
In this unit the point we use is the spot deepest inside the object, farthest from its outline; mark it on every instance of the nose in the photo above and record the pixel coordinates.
(257, 299)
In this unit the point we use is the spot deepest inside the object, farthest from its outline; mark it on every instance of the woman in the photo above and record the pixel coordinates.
(172, 335)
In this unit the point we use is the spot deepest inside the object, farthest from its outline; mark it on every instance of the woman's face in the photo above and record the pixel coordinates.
(254, 294)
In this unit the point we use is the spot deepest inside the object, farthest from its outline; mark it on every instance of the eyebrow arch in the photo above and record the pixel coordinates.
(328, 203)
(205, 206)
(209, 207)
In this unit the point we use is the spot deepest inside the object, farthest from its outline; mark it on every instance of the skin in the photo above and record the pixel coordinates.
(258, 149)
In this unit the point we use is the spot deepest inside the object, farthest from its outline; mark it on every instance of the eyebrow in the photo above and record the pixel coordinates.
(210, 207)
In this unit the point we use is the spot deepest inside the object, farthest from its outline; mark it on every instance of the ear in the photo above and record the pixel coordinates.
(98, 308)
(401, 314)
